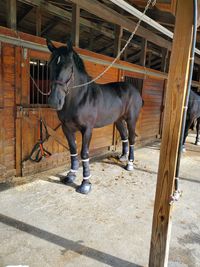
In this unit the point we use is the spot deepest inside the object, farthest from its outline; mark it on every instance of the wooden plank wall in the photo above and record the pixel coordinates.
(7, 120)
(102, 138)
(19, 131)
(150, 118)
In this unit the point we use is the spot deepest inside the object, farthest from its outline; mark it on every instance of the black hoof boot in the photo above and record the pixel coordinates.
(84, 188)
(70, 178)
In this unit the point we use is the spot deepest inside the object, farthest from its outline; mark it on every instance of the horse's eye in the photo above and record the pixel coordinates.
(58, 61)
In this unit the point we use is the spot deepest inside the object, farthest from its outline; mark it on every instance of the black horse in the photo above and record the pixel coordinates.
(90, 106)
(193, 116)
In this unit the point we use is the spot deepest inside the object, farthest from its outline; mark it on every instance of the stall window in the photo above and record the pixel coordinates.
(39, 81)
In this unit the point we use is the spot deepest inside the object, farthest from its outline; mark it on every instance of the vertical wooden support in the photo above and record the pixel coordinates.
(117, 41)
(175, 96)
(149, 59)
(91, 40)
(12, 14)
(1, 109)
(38, 21)
(75, 31)
(18, 119)
(164, 60)
(143, 52)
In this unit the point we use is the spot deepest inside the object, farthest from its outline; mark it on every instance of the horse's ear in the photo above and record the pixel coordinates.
(69, 45)
(50, 45)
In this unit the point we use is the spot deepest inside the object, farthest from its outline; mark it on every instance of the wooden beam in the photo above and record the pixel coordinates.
(65, 15)
(143, 53)
(49, 26)
(38, 21)
(109, 45)
(25, 14)
(175, 97)
(108, 14)
(164, 59)
(75, 30)
(134, 56)
(11, 14)
(117, 41)
(149, 58)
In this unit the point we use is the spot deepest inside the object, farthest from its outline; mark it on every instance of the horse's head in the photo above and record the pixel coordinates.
(61, 73)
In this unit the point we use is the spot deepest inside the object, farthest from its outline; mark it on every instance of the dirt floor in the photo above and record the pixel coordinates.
(45, 223)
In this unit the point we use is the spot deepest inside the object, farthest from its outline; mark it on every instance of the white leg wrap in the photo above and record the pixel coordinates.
(125, 141)
(129, 166)
(86, 178)
(84, 160)
(74, 155)
(73, 170)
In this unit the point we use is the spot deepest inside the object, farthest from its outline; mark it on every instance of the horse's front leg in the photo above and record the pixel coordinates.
(71, 175)
(85, 186)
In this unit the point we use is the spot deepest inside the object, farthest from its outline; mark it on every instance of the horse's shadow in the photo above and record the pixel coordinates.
(59, 179)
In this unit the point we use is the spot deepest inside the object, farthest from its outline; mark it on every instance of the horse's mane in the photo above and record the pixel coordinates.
(79, 63)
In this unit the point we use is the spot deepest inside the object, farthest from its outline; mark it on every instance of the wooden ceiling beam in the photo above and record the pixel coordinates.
(104, 48)
(26, 12)
(108, 14)
(49, 26)
(66, 15)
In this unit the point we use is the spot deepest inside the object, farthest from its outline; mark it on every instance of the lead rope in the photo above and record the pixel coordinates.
(153, 2)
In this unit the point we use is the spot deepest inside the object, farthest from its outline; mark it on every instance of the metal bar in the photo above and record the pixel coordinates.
(43, 48)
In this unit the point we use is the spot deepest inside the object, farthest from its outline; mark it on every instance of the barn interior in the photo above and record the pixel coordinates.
(99, 29)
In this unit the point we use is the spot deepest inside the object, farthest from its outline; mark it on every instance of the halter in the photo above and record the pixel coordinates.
(65, 85)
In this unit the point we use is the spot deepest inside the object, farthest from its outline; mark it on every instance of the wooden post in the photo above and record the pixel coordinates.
(18, 119)
(143, 52)
(149, 59)
(117, 41)
(175, 96)
(11, 14)
(75, 31)
(164, 59)
(38, 21)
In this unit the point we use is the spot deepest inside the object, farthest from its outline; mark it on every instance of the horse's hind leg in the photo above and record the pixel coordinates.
(197, 142)
(85, 186)
(71, 175)
(131, 124)
(121, 127)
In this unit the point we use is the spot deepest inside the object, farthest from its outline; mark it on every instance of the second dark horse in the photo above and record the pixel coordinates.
(90, 106)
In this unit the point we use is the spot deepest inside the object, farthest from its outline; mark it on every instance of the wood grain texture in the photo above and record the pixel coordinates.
(175, 96)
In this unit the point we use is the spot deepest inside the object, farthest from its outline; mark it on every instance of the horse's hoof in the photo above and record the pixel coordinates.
(129, 166)
(84, 188)
(123, 158)
(70, 178)
(197, 143)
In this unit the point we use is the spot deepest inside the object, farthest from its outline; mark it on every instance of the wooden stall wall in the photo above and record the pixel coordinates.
(151, 115)
(19, 119)
(7, 111)
(56, 144)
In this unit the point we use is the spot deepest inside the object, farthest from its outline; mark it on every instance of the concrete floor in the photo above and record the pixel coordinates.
(45, 223)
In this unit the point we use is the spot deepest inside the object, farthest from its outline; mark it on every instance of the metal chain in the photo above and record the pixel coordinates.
(153, 2)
